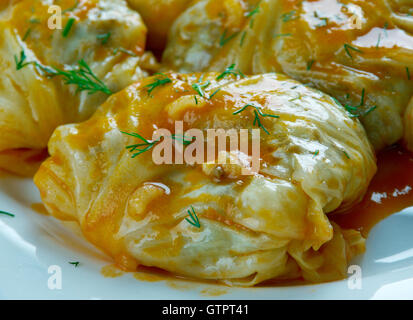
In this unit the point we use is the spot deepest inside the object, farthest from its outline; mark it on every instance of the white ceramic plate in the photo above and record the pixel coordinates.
(30, 243)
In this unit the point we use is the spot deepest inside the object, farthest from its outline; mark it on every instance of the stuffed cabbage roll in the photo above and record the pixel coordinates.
(58, 64)
(209, 220)
(360, 52)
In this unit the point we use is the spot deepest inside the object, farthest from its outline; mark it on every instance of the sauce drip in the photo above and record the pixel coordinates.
(390, 191)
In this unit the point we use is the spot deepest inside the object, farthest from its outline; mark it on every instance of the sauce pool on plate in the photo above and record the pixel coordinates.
(390, 191)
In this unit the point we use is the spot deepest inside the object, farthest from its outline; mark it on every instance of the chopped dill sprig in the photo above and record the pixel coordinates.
(230, 71)
(104, 38)
(26, 35)
(408, 73)
(346, 154)
(255, 11)
(34, 21)
(252, 13)
(288, 16)
(193, 218)
(355, 110)
(213, 94)
(225, 39)
(71, 8)
(258, 113)
(7, 214)
(199, 87)
(83, 77)
(283, 35)
(323, 23)
(316, 153)
(75, 263)
(20, 64)
(146, 145)
(141, 147)
(120, 49)
(241, 42)
(158, 82)
(68, 27)
(347, 47)
(310, 64)
(378, 41)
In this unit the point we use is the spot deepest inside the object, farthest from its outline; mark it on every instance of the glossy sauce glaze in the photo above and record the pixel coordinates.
(390, 191)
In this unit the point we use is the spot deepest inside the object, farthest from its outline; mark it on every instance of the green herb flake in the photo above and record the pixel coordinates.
(146, 145)
(199, 87)
(75, 263)
(231, 71)
(348, 47)
(258, 113)
(131, 53)
(7, 214)
(282, 35)
(20, 64)
(408, 73)
(68, 27)
(288, 16)
(355, 111)
(71, 8)
(193, 218)
(158, 82)
(225, 39)
(26, 35)
(104, 38)
(310, 64)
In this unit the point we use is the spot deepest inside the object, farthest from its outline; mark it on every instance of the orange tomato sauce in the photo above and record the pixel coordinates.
(390, 191)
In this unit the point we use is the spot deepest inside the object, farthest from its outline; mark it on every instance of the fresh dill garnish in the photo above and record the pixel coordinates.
(323, 23)
(158, 82)
(378, 41)
(7, 214)
(20, 64)
(288, 16)
(138, 149)
(199, 87)
(282, 35)
(310, 64)
(75, 263)
(258, 113)
(346, 154)
(224, 39)
(26, 35)
(68, 27)
(213, 94)
(252, 13)
(196, 100)
(347, 47)
(71, 8)
(146, 145)
(408, 73)
(386, 25)
(244, 34)
(316, 153)
(231, 71)
(83, 78)
(34, 20)
(355, 110)
(120, 49)
(104, 38)
(193, 218)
